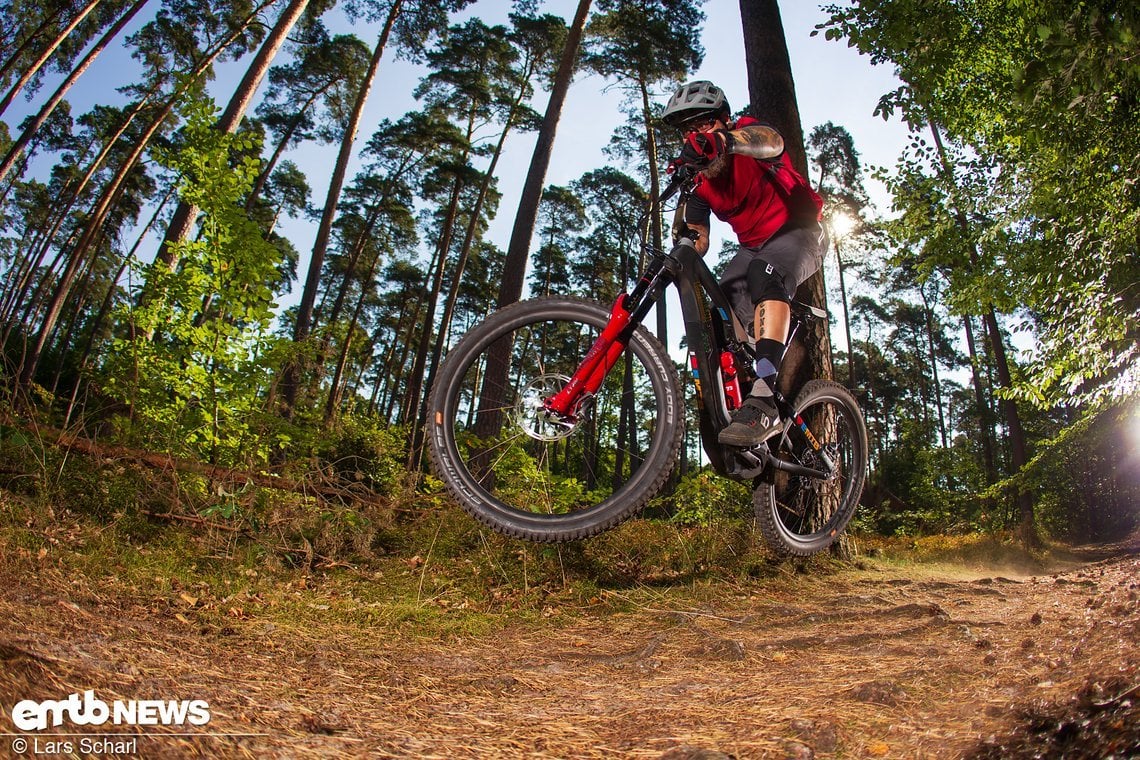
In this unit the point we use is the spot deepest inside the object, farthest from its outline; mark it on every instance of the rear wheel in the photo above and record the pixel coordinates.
(799, 515)
(527, 474)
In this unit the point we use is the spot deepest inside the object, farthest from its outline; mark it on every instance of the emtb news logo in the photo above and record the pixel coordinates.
(89, 710)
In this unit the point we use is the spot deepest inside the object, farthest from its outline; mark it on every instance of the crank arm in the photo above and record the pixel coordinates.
(799, 469)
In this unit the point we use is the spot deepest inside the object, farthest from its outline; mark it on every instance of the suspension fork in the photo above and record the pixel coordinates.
(626, 314)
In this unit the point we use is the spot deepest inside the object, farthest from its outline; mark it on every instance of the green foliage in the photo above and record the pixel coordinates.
(1087, 474)
(366, 451)
(704, 496)
(642, 43)
(198, 358)
(918, 489)
(1042, 95)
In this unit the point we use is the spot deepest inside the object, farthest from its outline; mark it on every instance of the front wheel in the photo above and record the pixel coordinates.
(539, 478)
(799, 515)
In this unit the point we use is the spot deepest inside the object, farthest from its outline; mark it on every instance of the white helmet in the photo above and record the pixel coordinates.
(694, 99)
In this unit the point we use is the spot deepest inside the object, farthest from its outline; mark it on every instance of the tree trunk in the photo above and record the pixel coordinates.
(48, 52)
(78, 303)
(985, 429)
(846, 319)
(772, 92)
(1017, 448)
(656, 237)
(47, 108)
(75, 193)
(518, 250)
(391, 412)
(473, 225)
(186, 213)
(282, 144)
(29, 40)
(419, 367)
(342, 361)
(354, 255)
(928, 316)
(303, 326)
(20, 273)
(461, 264)
(105, 306)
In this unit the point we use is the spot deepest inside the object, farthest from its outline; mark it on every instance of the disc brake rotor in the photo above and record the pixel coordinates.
(532, 417)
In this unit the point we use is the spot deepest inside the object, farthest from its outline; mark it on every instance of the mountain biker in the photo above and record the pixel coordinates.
(745, 177)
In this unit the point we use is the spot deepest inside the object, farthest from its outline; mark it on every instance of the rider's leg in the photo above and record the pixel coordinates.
(772, 321)
(757, 420)
(771, 276)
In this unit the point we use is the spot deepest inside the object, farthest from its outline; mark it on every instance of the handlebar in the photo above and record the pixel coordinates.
(683, 175)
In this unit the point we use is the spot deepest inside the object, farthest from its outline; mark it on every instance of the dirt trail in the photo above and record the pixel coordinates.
(874, 663)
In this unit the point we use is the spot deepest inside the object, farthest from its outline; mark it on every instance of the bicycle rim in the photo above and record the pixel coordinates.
(799, 515)
(534, 477)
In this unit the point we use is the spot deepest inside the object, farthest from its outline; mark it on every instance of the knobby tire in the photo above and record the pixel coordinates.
(516, 470)
(801, 516)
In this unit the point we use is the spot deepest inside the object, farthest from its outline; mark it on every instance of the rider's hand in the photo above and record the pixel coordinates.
(690, 160)
(709, 145)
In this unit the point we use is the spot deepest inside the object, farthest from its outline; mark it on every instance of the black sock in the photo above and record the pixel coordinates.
(768, 355)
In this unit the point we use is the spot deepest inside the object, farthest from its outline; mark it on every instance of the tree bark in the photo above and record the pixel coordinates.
(985, 429)
(518, 249)
(772, 92)
(48, 52)
(98, 215)
(29, 40)
(928, 317)
(279, 149)
(419, 366)
(342, 361)
(1018, 451)
(75, 189)
(461, 264)
(846, 319)
(105, 306)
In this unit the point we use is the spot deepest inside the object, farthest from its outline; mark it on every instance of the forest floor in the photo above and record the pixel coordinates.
(866, 659)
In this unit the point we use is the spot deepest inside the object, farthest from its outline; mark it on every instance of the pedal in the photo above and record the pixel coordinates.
(748, 463)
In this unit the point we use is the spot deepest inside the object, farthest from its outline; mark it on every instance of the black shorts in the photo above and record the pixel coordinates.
(794, 254)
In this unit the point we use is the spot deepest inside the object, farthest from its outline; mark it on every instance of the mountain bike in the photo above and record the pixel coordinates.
(556, 418)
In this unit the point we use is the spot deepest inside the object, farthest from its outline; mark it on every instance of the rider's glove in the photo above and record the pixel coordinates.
(690, 160)
(709, 145)
(701, 149)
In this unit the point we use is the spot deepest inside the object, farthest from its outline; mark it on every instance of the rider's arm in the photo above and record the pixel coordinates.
(756, 140)
(697, 215)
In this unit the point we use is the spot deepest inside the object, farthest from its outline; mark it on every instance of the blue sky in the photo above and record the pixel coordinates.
(833, 83)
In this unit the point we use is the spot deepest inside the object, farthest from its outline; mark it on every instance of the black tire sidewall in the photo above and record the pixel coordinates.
(621, 505)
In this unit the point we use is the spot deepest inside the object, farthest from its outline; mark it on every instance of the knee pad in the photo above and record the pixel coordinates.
(765, 283)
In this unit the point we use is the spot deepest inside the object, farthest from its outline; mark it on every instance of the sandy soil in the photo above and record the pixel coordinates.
(879, 662)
